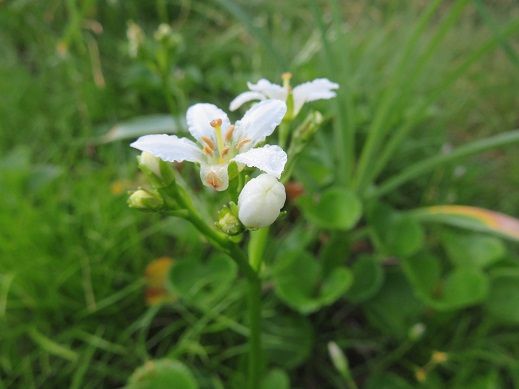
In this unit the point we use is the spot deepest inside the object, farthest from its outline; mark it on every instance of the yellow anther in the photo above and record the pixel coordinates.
(208, 141)
(420, 374)
(208, 151)
(286, 79)
(242, 143)
(216, 123)
(228, 134)
(225, 151)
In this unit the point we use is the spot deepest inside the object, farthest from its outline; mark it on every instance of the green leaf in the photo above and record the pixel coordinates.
(424, 274)
(462, 288)
(275, 378)
(287, 339)
(395, 309)
(400, 235)
(469, 250)
(143, 125)
(336, 208)
(162, 374)
(368, 277)
(202, 283)
(503, 298)
(299, 282)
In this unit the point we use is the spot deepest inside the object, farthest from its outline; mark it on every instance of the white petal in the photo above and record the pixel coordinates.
(270, 90)
(260, 121)
(215, 176)
(169, 148)
(260, 201)
(269, 158)
(320, 88)
(199, 117)
(243, 98)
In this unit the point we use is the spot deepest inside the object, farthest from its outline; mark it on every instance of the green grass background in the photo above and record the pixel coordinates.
(72, 255)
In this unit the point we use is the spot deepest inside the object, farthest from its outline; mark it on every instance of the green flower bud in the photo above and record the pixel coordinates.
(228, 221)
(143, 199)
(159, 171)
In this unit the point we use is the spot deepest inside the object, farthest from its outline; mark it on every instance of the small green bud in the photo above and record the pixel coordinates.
(143, 199)
(159, 171)
(228, 221)
(416, 331)
(338, 359)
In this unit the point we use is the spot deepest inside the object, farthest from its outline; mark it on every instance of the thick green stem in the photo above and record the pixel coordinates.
(255, 361)
(257, 247)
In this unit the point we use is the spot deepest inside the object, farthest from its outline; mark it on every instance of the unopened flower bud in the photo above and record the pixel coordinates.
(338, 358)
(260, 201)
(416, 331)
(161, 171)
(228, 221)
(144, 199)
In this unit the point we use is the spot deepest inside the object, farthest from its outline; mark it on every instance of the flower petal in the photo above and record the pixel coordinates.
(169, 148)
(260, 121)
(199, 117)
(215, 176)
(270, 158)
(243, 98)
(320, 88)
(270, 90)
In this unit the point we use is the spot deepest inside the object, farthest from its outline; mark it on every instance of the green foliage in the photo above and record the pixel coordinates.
(415, 80)
(300, 283)
(335, 209)
(162, 374)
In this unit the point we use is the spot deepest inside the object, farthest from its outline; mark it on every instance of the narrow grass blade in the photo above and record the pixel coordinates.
(472, 218)
(429, 164)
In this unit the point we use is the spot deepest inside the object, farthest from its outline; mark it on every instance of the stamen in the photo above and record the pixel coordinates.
(217, 125)
(242, 143)
(208, 151)
(208, 141)
(286, 79)
(225, 151)
(228, 134)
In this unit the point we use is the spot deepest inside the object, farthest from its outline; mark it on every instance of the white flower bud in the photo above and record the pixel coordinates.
(260, 201)
(143, 199)
(159, 170)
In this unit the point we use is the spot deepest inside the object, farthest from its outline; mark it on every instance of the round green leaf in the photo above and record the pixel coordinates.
(336, 208)
(468, 250)
(276, 378)
(462, 288)
(367, 279)
(203, 282)
(162, 374)
(299, 283)
(503, 298)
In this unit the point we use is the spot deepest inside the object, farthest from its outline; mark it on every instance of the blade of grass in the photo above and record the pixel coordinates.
(339, 137)
(403, 131)
(376, 129)
(507, 48)
(235, 10)
(429, 164)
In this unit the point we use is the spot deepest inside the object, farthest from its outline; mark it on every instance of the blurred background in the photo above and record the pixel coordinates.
(75, 74)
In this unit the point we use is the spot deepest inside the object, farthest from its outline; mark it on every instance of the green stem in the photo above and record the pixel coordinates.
(257, 247)
(255, 362)
(424, 166)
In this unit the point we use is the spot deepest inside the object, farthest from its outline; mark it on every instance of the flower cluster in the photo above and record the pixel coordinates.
(217, 143)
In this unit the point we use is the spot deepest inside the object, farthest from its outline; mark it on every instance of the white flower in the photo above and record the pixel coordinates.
(219, 142)
(260, 201)
(320, 88)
